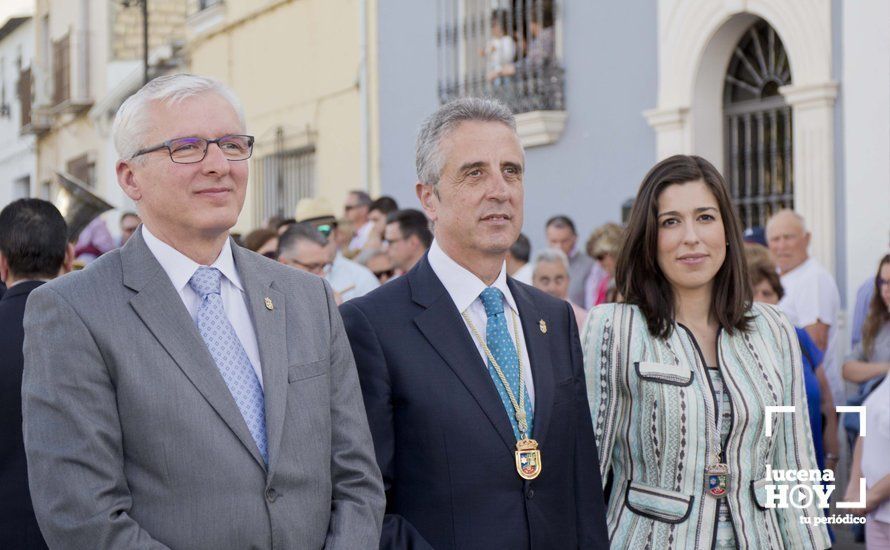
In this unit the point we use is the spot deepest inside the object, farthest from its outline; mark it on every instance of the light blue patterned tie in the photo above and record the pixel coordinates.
(229, 354)
(500, 343)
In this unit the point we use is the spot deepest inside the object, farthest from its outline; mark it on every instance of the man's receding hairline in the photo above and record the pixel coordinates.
(782, 214)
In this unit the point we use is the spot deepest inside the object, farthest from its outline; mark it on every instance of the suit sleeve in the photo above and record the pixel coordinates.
(794, 442)
(590, 504)
(357, 500)
(398, 533)
(72, 433)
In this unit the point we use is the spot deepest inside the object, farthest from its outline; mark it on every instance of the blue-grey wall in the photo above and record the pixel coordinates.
(610, 55)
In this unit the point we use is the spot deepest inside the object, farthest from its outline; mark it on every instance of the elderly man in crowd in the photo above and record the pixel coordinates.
(550, 273)
(474, 383)
(356, 209)
(811, 298)
(349, 279)
(184, 392)
(407, 237)
(33, 249)
(560, 232)
(128, 223)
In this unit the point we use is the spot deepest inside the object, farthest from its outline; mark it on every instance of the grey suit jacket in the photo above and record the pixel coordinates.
(134, 441)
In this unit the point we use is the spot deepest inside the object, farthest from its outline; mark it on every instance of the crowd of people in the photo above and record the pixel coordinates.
(422, 378)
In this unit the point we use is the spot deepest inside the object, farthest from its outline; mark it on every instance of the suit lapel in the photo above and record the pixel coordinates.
(538, 344)
(160, 307)
(444, 328)
(269, 325)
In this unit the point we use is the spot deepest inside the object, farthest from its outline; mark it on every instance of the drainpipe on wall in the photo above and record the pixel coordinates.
(364, 95)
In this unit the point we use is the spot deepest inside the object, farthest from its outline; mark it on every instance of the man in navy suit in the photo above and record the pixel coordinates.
(33, 249)
(473, 382)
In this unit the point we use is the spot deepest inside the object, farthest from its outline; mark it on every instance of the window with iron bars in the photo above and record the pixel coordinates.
(506, 49)
(23, 91)
(282, 179)
(757, 126)
(61, 70)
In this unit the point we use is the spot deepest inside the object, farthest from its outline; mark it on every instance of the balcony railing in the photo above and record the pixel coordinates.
(509, 52)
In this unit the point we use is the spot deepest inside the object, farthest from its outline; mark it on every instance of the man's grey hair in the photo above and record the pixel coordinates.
(361, 197)
(429, 159)
(298, 233)
(787, 212)
(133, 118)
(551, 255)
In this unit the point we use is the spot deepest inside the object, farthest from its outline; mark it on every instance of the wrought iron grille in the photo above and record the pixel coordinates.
(759, 164)
(283, 178)
(506, 49)
(61, 70)
(25, 96)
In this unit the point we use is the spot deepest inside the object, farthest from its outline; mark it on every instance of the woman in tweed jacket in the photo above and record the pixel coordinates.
(679, 377)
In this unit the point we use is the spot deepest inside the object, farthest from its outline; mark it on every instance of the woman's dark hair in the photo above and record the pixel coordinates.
(878, 314)
(640, 280)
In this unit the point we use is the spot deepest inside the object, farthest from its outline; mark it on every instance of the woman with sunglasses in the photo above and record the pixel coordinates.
(680, 375)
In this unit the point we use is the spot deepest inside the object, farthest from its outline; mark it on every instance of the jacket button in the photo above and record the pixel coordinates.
(530, 494)
(271, 494)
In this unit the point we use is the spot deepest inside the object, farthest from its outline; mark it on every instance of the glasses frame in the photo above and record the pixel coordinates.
(166, 145)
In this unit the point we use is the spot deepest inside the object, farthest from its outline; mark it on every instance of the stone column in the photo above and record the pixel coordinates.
(812, 107)
(671, 125)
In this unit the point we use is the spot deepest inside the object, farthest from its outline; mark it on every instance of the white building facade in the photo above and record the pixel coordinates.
(790, 99)
(17, 154)
(838, 97)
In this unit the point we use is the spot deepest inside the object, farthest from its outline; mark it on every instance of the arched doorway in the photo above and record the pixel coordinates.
(758, 144)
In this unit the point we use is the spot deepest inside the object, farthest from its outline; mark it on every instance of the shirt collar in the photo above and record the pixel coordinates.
(180, 267)
(463, 286)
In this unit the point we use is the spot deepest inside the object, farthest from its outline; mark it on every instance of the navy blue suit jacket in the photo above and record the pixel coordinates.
(18, 526)
(442, 436)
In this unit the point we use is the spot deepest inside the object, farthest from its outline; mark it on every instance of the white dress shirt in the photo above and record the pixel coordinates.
(361, 236)
(346, 274)
(464, 289)
(811, 296)
(180, 269)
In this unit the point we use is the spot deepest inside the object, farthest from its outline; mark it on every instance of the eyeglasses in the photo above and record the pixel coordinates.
(317, 269)
(189, 150)
(387, 273)
(325, 229)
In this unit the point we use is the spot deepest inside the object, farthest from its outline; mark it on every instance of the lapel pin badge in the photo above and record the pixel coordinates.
(269, 305)
(543, 326)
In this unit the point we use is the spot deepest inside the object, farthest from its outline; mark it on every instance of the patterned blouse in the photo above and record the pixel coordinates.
(653, 416)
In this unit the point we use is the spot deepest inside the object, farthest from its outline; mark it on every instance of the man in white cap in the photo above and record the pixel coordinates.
(349, 279)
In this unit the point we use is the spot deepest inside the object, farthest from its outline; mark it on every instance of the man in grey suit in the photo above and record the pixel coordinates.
(183, 392)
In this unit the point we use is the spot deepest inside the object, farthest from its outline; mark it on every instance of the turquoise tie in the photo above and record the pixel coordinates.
(229, 355)
(500, 344)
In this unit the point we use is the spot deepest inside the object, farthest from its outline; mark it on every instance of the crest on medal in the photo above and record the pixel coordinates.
(717, 481)
(528, 459)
